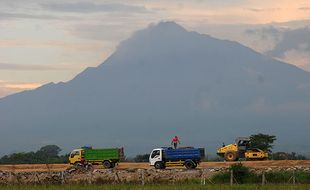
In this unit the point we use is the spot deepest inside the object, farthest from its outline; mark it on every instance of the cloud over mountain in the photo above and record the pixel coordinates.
(289, 45)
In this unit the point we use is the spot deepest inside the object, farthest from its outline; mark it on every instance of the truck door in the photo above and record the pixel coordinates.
(75, 156)
(155, 156)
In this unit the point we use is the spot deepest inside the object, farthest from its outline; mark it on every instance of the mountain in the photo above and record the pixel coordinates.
(161, 82)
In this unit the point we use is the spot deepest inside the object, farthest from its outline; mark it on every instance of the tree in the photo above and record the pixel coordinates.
(46, 154)
(288, 156)
(262, 141)
(50, 151)
(142, 158)
(280, 156)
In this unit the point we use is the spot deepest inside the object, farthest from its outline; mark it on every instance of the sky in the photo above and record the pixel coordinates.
(43, 41)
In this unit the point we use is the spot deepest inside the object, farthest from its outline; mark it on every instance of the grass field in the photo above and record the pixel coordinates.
(156, 187)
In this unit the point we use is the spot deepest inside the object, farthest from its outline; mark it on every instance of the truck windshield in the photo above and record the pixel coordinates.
(75, 153)
(155, 153)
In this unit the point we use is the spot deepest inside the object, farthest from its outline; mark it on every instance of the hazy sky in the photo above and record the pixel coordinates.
(44, 41)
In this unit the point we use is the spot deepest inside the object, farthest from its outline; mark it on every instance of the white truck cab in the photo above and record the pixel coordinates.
(156, 156)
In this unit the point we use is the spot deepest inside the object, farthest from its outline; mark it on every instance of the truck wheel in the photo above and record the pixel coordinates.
(230, 156)
(190, 164)
(76, 164)
(163, 166)
(89, 167)
(107, 164)
(159, 165)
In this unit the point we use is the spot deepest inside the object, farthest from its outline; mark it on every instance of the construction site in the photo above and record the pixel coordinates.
(165, 164)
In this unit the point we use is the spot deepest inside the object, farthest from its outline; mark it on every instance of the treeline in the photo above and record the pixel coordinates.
(288, 156)
(46, 155)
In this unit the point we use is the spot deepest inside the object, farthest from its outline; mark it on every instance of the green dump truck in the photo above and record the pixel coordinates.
(108, 157)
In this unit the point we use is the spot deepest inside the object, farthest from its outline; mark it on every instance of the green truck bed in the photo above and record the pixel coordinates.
(114, 154)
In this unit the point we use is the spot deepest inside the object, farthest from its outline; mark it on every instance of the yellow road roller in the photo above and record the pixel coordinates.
(241, 149)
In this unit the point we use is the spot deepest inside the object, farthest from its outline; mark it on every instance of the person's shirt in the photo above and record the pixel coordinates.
(175, 140)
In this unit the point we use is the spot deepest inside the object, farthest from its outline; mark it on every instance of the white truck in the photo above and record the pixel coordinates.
(189, 157)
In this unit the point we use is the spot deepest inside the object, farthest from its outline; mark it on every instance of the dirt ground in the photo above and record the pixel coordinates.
(126, 165)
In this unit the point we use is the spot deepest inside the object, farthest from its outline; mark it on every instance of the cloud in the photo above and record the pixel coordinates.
(29, 67)
(265, 33)
(76, 46)
(299, 58)
(103, 32)
(7, 88)
(297, 39)
(294, 47)
(289, 45)
(262, 38)
(262, 10)
(23, 86)
(88, 7)
(5, 15)
(304, 8)
(254, 9)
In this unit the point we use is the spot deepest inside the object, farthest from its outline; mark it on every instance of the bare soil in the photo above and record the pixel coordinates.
(129, 165)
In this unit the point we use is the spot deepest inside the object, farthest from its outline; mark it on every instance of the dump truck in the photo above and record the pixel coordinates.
(241, 149)
(108, 157)
(164, 157)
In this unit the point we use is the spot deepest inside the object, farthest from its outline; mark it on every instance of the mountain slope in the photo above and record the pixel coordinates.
(164, 81)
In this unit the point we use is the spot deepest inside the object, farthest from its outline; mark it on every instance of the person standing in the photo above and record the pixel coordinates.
(175, 141)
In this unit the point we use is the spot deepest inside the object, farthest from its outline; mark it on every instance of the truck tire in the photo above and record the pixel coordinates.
(77, 164)
(107, 164)
(230, 156)
(89, 167)
(159, 165)
(189, 164)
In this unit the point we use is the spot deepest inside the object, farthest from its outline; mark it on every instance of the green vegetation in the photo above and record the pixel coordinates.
(170, 186)
(287, 156)
(262, 141)
(47, 154)
(141, 158)
(265, 143)
(243, 175)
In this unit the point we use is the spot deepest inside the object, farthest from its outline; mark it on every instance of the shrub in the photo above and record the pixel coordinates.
(141, 158)
(240, 172)
(286, 177)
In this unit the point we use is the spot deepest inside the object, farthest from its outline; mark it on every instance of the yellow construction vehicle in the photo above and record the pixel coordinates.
(240, 149)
